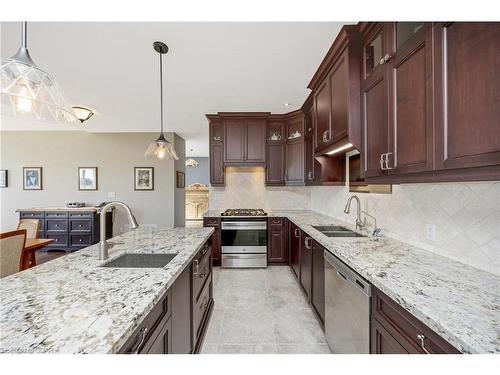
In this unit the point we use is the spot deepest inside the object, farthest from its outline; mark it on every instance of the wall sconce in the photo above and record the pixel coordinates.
(82, 113)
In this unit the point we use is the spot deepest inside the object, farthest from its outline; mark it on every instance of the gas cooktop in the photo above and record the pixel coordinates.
(244, 212)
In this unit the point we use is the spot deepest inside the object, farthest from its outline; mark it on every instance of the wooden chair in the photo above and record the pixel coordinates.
(11, 251)
(31, 225)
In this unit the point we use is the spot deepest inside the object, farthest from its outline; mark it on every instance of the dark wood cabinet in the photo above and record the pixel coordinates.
(216, 145)
(467, 70)
(255, 145)
(318, 281)
(275, 167)
(306, 265)
(312, 167)
(395, 330)
(161, 342)
(294, 149)
(214, 222)
(182, 314)
(277, 250)
(323, 115)
(234, 141)
(295, 237)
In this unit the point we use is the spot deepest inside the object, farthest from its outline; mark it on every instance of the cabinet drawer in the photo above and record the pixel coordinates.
(60, 240)
(146, 329)
(80, 214)
(410, 332)
(276, 221)
(80, 225)
(211, 222)
(56, 215)
(80, 240)
(32, 215)
(201, 271)
(56, 225)
(201, 308)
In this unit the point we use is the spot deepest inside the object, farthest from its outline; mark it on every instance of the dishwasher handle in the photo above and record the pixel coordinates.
(347, 274)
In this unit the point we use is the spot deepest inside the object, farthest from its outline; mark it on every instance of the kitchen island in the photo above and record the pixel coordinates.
(73, 305)
(458, 302)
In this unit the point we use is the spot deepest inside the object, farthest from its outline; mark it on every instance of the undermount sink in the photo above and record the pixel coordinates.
(140, 261)
(336, 231)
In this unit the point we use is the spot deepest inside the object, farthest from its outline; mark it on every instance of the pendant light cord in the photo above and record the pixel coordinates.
(161, 92)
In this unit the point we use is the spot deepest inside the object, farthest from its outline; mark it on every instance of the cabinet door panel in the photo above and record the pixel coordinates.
(383, 342)
(277, 250)
(234, 140)
(182, 314)
(275, 170)
(339, 97)
(467, 94)
(322, 114)
(375, 127)
(295, 244)
(255, 141)
(294, 162)
(216, 164)
(411, 106)
(305, 266)
(318, 281)
(162, 343)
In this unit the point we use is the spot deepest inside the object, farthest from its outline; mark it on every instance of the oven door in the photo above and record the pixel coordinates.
(244, 237)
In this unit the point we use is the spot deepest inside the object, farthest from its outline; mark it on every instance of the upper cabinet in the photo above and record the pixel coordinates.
(424, 115)
(336, 95)
(275, 169)
(467, 95)
(216, 144)
(294, 149)
(245, 136)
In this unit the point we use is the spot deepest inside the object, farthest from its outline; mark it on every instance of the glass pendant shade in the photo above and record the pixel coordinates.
(191, 163)
(28, 92)
(161, 149)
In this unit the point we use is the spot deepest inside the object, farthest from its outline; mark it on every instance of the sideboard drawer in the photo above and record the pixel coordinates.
(77, 215)
(32, 215)
(80, 225)
(60, 240)
(56, 215)
(56, 225)
(80, 240)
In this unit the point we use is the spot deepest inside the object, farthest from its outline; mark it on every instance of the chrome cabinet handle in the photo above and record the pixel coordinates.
(307, 243)
(382, 61)
(141, 342)
(324, 136)
(196, 265)
(387, 161)
(310, 175)
(387, 57)
(422, 342)
(382, 162)
(297, 232)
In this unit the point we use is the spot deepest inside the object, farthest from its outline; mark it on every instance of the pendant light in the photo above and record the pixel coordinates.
(161, 148)
(27, 91)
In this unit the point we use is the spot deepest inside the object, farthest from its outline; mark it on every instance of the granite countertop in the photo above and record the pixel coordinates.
(43, 209)
(459, 302)
(71, 305)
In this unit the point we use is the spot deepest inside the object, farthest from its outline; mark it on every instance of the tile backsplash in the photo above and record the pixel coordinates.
(245, 188)
(466, 217)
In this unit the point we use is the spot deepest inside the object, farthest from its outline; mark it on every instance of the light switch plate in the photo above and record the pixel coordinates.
(430, 232)
(111, 194)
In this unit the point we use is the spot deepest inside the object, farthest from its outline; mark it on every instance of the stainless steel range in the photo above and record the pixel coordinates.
(244, 238)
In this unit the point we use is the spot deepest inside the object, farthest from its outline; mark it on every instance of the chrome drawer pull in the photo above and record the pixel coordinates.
(196, 264)
(143, 338)
(422, 342)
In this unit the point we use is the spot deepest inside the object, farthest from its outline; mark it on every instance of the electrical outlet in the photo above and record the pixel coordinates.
(430, 232)
(111, 195)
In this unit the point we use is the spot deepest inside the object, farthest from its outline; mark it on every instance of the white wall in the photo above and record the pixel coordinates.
(60, 153)
(245, 188)
(466, 215)
(180, 193)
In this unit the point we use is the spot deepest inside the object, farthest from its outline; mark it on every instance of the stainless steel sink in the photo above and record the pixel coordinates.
(140, 261)
(330, 228)
(336, 231)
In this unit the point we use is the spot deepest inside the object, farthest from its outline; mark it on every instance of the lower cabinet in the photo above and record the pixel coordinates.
(294, 246)
(214, 222)
(277, 251)
(306, 265)
(318, 281)
(395, 330)
(178, 322)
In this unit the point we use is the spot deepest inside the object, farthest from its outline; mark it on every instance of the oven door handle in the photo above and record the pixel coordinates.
(244, 226)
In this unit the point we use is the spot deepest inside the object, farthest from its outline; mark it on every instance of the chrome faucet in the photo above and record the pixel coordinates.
(103, 245)
(360, 224)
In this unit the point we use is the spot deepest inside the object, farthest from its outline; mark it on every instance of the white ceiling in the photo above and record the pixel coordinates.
(210, 67)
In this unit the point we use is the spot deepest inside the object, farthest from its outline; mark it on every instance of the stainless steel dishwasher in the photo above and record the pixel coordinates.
(347, 308)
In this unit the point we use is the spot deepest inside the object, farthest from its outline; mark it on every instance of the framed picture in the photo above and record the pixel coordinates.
(144, 178)
(4, 178)
(32, 178)
(87, 178)
(181, 179)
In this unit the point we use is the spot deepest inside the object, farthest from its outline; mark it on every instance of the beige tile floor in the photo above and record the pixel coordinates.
(260, 311)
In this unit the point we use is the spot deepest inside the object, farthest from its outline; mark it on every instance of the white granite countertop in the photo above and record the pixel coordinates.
(43, 209)
(457, 301)
(72, 305)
